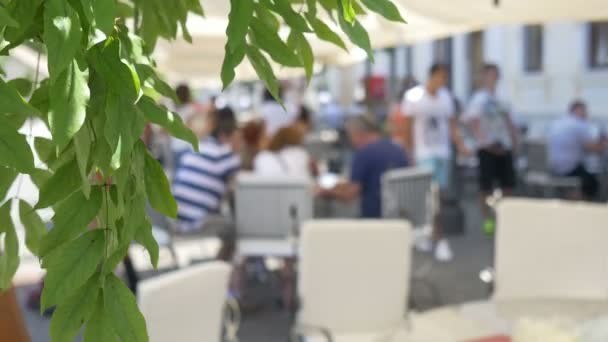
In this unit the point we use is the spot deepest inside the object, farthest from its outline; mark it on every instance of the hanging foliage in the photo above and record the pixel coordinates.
(98, 175)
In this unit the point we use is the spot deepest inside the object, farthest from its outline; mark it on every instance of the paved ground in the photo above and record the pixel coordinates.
(456, 282)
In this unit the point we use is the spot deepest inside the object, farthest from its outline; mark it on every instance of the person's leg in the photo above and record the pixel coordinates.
(589, 183)
(506, 174)
(487, 172)
(443, 252)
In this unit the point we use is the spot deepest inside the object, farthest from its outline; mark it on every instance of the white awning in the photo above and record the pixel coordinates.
(200, 62)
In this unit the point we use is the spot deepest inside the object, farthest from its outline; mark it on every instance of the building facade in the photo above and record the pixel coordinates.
(544, 67)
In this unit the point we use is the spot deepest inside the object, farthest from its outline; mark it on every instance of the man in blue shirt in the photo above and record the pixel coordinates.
(374, 156)
(570, 139)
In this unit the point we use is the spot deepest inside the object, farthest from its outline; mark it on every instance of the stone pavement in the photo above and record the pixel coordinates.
(456, 282)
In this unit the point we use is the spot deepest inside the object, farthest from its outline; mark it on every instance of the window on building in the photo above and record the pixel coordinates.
(533, 48)
(598, 45)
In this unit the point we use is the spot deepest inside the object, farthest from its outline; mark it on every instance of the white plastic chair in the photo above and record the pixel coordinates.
(353, 280)
(187, 304)
(409, 193)
(269, 211)
(550, 261)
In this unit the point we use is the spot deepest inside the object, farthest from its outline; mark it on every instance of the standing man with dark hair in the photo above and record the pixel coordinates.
(373, 156)
(570, 139)
(429, 129)
(490, 121)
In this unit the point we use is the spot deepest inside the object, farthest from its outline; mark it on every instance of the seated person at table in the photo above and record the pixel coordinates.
(570, 139)
(374, 156)
(285, 155)
(202, 178)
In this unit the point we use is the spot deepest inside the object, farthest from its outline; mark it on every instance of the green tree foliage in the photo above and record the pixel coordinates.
(97, 174)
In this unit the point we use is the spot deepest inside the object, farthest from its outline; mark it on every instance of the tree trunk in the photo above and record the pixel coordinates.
(12, 326)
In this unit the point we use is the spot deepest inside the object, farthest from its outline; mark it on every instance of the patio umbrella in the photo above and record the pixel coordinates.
(201, 61)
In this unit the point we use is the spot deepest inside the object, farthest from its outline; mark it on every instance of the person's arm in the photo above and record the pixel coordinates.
(457, 137)
(347, 192)
(513, 133)
(471, 117)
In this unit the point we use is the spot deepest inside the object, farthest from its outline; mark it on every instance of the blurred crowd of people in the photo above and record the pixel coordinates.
(428, 129)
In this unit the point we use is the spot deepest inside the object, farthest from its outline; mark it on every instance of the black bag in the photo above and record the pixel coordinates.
(451, 216)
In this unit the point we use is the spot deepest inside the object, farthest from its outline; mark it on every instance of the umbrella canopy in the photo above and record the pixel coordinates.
(200, 62)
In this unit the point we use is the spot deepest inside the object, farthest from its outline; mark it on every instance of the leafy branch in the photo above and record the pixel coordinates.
(97, 174)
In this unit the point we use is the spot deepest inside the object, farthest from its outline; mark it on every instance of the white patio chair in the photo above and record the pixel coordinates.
(409, 193)
(550, 261)
(188, 304)
(269, 211)
(353, 280)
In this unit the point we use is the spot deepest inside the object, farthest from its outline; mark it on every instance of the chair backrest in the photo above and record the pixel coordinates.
(267, 207)
(407, 193)
(186, 305)
(537, 155)
(354, 275)
(551, 249)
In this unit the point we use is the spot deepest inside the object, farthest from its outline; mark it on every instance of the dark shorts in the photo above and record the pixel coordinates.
(496, 169)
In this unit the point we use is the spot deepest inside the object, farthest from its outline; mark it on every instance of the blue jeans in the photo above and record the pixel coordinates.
(440, 168)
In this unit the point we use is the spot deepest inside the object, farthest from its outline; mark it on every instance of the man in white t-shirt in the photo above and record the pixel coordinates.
(489, 118)
(430, 127)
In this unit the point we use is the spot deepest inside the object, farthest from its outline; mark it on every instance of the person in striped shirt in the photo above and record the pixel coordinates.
(202, 178)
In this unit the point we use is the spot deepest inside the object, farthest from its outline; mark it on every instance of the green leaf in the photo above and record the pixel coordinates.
(28, 13)
(62, 36)
(124, 125)
(325, 33)
(167, 119)
(241, 13)
(40, 100)
(147, 75)
(68, 104)
(195, 7)
(6, 19)
(11, 102)
(71, 219)
(268, 40)
(158, 189)
(23, 86)
(99, 326)
(35, 229)
(74, 310)
(291, 17)
(385, 8)
(64, 182)
(127, 321)
(265, 15)
(9, 259)
(305, 53)
(124, 10)
(264, 70)
(136, 208)
(15, 152)
(312, 8)
(70, 267)
(7, 178)
(82, 146)
(105, 13)
(39, 177)
(145, 238)
(105, 59)
(358, 35)
(348, 11)
(231, 61)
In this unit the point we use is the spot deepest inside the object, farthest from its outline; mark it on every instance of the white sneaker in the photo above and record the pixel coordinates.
(443, 252)
(423, 244)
